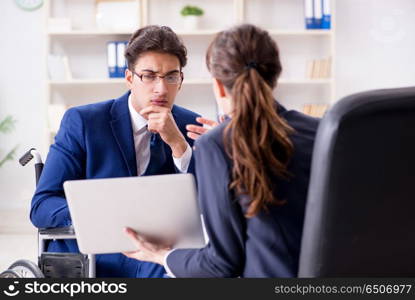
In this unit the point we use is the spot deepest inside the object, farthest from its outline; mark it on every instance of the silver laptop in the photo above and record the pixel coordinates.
(161, 206)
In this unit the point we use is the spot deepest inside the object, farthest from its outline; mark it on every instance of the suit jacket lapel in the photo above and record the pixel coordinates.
(123, 132)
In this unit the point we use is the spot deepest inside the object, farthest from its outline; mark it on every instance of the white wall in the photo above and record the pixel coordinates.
(375, 46)
(21, 95)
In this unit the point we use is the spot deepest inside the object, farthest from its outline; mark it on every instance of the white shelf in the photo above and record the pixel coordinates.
(72, 82)
(305, 81)
(87, 33)
(86, 81)
(312, 32)
(198, 32)
(188, 33)
(186, 81)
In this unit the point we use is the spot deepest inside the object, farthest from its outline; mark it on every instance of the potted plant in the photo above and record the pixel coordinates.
(6, 126)
(191, 15)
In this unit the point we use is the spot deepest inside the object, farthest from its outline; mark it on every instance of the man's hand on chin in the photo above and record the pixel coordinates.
(161, 121)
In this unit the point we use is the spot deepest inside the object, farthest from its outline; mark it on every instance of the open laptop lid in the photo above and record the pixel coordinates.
(163, 206)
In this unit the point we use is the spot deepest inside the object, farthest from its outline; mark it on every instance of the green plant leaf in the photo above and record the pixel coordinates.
(9, 156)
(7, 124)
(189, 10)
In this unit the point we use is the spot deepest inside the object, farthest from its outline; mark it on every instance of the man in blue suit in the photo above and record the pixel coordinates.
(140, 133)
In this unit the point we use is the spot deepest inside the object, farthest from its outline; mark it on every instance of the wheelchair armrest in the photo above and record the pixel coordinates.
(57, 233)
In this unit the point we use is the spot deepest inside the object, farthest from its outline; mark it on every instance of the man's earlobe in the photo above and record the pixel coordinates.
(129, 78)
(180, 85)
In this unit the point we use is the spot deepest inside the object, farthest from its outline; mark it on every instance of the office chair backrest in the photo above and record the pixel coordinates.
(360, 215)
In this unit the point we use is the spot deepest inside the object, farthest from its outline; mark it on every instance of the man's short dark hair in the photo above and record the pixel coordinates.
(155, 38)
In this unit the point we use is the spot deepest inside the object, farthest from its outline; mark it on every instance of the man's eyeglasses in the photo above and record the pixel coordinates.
(172, 78)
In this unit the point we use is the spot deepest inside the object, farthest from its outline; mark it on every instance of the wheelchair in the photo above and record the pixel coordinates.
(51, 264)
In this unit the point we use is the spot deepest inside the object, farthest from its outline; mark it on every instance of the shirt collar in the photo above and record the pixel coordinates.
(137, 120)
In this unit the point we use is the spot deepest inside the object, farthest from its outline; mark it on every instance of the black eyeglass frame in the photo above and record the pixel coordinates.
(160, 77)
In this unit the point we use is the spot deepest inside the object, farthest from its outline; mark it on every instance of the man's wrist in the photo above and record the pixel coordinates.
(179, 148)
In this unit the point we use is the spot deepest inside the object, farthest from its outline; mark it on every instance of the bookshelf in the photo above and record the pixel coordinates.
(85, 46)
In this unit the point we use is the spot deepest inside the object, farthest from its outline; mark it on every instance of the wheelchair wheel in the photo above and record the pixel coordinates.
(9, 274)
(26, 269)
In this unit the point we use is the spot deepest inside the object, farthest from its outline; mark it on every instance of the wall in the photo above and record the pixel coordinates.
(375, 44)
(21, 95)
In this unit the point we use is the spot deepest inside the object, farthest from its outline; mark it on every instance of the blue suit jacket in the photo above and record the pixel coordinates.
(96, 141)
(267, 245)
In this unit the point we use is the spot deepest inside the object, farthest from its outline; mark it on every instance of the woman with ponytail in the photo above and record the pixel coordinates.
(252, 170)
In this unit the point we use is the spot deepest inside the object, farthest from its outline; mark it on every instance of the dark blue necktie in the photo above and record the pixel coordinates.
(157, 155)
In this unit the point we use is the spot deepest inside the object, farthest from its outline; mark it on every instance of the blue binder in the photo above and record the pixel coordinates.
(309, 14)
(326, 23)
(112, 59)
(121, 62)
(318, 13)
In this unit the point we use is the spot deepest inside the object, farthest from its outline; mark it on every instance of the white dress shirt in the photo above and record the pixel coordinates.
(142, 144)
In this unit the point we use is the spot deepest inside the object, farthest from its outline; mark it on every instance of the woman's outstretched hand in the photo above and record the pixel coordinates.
(194, 131)
(147, 250)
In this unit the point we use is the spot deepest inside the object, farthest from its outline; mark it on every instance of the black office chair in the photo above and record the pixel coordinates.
(360, 215)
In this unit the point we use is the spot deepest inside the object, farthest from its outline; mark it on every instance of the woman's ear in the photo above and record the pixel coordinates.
(223, 99)
(219, 89)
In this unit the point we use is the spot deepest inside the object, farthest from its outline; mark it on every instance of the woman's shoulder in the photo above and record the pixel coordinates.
(215, 135)
(210, 150)
(305, 131)
(300, 121)
(305, 127)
